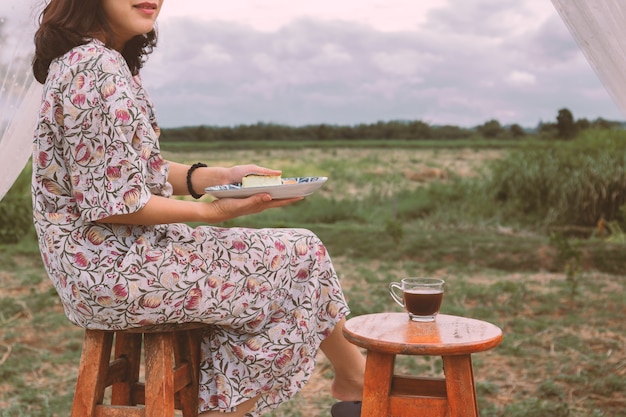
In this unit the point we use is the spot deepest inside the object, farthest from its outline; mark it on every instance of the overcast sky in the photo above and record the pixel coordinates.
(298, 62)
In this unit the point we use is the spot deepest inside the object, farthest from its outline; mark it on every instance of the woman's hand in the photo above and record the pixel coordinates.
(237, 172)
(230, 208)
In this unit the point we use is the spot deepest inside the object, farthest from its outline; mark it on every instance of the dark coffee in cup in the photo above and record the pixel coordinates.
(423, 302)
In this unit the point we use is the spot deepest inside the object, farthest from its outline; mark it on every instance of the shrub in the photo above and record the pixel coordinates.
(568, 183)
(16, 219)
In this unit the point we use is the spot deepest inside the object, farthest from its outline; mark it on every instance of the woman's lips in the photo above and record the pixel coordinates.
(146, 5)
(147, 8)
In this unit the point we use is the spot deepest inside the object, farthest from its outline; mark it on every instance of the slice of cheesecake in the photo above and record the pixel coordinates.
(255, 180)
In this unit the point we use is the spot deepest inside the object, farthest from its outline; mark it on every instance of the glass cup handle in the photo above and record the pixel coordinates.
(393, 294)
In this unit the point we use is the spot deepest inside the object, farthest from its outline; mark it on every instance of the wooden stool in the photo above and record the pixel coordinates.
(171, 360)
(453, 338)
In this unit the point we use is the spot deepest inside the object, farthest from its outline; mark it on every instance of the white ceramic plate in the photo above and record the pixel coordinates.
(294, 187)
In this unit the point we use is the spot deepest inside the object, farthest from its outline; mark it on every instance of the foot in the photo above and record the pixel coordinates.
(347, 390)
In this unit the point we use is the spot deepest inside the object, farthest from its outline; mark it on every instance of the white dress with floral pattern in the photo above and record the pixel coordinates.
(271, 294)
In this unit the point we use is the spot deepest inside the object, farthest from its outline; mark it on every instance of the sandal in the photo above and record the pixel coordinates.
(346, 409)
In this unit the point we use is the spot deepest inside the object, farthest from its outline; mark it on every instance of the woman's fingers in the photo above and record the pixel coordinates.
(240, 171)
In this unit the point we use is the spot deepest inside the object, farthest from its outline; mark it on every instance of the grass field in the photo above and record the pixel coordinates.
(564, 350)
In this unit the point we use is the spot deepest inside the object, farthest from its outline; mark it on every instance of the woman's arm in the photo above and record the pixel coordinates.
(162, 210)
(210, 176)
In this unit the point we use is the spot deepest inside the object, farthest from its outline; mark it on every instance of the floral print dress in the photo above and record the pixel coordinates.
(272, 295)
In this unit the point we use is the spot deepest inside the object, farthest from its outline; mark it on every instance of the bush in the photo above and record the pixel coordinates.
(16, 218)
(568, 183)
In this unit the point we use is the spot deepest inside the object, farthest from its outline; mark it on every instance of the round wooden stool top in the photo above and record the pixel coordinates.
(395, 333)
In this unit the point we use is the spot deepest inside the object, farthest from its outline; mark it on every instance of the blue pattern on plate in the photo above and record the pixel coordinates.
(300, 180)
(295, 187)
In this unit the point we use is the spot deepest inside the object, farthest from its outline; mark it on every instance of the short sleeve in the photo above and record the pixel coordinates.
(102, 126)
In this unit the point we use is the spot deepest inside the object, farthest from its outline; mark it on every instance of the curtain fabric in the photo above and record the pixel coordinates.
(599, 28)
(16, 142)
(20, 95)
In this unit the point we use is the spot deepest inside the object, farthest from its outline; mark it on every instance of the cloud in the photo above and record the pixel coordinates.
(465, 64)
(521, 78)
(271, 15)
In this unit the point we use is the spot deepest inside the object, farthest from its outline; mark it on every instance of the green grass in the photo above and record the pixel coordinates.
(39, 349)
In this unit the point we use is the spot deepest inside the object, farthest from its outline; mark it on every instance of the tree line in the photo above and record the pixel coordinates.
(564, 127)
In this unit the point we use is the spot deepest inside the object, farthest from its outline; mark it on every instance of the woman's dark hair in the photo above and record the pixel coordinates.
(66, 24)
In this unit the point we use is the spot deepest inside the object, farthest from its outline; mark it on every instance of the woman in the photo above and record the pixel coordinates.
(114, 244)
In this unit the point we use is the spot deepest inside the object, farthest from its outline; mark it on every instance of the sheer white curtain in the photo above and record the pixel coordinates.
(19, 94)
(599, 28)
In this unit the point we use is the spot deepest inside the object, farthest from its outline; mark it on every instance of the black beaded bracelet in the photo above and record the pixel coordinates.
(189, 185)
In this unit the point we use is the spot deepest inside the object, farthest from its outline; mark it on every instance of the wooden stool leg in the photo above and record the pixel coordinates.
(127, 348)
(92, 371)
(460, 386)
(187, 350)
(159, 374)
(377, 387)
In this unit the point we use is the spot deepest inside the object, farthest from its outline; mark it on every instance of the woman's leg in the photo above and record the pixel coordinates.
(348, 363)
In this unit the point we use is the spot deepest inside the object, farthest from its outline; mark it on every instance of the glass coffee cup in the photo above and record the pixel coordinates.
(421, 297)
